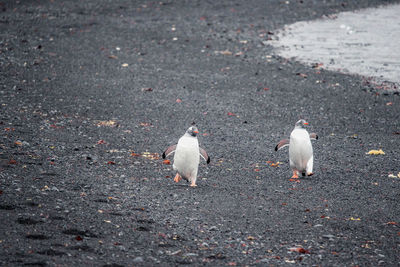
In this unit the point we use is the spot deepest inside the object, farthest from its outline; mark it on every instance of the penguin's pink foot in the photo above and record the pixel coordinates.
(177, 178)
(295, 175)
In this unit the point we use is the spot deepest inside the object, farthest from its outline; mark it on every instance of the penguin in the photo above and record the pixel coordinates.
(187, 156)
(300, 150)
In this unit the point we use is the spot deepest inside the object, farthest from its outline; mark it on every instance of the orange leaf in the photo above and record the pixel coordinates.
(391, 223)
(167, 162)
(266, 88)
(133, 154)
(300, 250)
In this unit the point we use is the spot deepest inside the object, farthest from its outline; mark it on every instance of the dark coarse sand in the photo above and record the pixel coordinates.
(93, 91)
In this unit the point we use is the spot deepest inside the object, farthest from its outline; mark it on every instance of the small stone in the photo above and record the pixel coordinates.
(154, 259)
(190, 255)
(330, 237)
(138, 259)
(175, 252)
(204, 244)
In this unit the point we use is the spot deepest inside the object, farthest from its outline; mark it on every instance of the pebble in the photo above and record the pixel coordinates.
(190, 255)
(330, 237)
(175, 252)
(138, 259)
(122, 248)
(154, 259)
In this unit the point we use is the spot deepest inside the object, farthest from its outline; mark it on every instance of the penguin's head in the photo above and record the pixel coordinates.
(192, 131)
(301, 123)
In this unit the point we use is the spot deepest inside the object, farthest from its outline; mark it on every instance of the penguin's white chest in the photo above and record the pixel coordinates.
(187, 157)
(300, 149)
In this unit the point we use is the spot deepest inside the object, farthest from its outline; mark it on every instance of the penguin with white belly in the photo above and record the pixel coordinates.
(187, 156)
(300, 150)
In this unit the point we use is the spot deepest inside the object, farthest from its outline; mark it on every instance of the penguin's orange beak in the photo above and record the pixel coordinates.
(196, 132)
(306, 123)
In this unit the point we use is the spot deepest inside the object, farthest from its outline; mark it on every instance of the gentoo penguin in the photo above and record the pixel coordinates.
(300, 149)
(187, 156)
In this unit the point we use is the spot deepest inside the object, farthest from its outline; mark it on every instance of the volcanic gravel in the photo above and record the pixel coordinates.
(93, 91)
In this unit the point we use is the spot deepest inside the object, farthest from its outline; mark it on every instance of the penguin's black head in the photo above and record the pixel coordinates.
(301, 123)
(192, 131)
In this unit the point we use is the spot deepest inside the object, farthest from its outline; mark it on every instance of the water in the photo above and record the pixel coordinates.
(365, 42)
